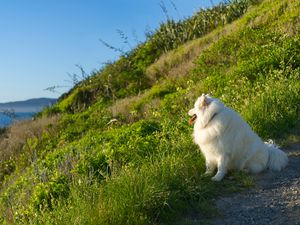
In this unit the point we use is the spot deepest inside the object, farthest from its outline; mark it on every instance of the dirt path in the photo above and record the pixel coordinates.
(275, 199)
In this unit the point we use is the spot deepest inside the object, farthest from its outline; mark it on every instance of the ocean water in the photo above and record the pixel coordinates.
(6, 120)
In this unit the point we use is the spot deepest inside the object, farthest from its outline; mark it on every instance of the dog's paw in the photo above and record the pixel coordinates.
(217, 177)
(208, 173)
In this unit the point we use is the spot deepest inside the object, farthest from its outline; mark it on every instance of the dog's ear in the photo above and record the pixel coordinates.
(203, 101)
(208, 95)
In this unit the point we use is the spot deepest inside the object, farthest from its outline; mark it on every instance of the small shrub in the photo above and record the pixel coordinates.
(46, 194)
(95, 164)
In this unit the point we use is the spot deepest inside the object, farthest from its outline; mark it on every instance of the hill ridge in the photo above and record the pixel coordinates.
(29, 105)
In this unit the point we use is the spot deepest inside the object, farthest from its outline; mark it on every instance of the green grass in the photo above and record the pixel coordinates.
(144, 168)
(155, 189)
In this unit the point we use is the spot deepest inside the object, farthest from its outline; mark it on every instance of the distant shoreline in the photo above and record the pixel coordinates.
(6, 120)
(22, 110)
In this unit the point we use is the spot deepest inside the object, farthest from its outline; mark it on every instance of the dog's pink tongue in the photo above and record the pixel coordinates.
(192, 120)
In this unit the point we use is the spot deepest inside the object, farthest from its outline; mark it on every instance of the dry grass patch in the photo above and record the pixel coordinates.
(13, 140)
(179, 62)
(124, 107)
(133, 108)
(18, 133)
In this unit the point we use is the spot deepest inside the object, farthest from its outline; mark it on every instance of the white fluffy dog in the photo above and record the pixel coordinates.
(228, 142)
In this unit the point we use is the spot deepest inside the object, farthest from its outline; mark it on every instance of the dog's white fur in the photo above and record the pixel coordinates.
(228, 142)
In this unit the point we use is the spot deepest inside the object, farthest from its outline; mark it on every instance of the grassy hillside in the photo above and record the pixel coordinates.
(117, 148)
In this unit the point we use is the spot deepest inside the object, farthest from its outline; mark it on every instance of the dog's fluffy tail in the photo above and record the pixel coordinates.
(277, 158)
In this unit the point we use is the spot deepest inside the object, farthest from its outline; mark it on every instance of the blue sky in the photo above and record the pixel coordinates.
(41, 41)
